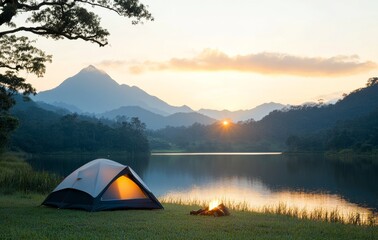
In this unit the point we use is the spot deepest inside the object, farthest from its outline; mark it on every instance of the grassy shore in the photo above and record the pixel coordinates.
(22, 217)
(16, 175)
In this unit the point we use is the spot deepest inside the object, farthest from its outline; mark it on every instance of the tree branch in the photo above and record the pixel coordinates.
(3, 65)
(99, 5)
(46, 31)
(38, 6)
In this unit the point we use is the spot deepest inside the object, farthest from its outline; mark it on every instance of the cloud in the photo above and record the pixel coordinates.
(112, 63)
(262, 63)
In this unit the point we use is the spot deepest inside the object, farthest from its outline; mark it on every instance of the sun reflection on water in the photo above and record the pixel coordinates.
(245, 195)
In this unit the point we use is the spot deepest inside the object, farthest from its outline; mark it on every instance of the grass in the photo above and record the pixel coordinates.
(320, 214)
(317, 214)
(16, 175)
(21, 217)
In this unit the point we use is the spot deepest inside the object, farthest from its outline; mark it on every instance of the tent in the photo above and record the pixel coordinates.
(102, 184)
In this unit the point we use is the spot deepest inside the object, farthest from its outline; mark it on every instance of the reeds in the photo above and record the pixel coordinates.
(17, 175)
(318, 214)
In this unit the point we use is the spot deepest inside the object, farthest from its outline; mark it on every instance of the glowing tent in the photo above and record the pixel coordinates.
(102, 184)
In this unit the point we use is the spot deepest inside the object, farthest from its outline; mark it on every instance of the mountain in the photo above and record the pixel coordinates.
(156, 121)
(256, 113)
(187, 119)
(53, 108)
(351, 122)
(308, 119)
(94, 91)
(63, 105)
(42, 130)
(25, 104)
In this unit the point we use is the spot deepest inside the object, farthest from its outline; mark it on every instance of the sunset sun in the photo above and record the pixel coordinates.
(225, 123)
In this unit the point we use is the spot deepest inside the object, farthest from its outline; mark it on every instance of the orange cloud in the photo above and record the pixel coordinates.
(263, 63)
(112, 63)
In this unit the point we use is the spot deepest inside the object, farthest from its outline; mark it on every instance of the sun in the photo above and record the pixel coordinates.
(225, 123)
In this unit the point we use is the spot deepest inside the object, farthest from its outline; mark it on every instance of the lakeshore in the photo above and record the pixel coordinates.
(22, 217)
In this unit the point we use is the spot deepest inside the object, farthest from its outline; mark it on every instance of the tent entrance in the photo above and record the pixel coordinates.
(123, 188)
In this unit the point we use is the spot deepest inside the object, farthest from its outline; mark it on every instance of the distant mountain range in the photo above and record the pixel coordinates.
(350, 123)
(156, 121)
(256, 113)
(95, 93)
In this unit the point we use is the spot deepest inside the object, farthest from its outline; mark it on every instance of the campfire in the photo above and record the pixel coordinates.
(215, 209)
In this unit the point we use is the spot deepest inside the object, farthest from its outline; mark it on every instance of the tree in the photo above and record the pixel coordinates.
(56, 19)
(16, 54)
(372, 81)
(69, 19)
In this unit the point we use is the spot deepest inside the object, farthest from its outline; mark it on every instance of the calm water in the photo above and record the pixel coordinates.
(303, 181)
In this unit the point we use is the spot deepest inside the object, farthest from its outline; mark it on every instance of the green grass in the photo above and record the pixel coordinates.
(318, 214)
(21, 217)
(16, 175)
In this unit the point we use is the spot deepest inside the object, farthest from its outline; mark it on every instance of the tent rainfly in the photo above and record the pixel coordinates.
(102, 184)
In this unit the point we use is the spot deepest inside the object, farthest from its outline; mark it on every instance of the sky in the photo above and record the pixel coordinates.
(222, 54)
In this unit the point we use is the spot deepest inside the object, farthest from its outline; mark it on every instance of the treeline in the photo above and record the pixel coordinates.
(241, 136)
(359, 135)
(297, 128)
(45, 131)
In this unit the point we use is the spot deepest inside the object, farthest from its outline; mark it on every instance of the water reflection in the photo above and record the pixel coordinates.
(216, 153)
(243, 194)
(304, 181)
(64, 164)
(355, 181)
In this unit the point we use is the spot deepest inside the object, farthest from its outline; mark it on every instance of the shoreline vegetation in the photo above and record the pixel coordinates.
(318, 214)
(342, 152)
(343, 155)
(174, 222)
(97, 154)
(102, 153)
(17, 176)
(23, 190)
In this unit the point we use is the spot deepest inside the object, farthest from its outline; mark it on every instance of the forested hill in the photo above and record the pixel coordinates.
(273, 131)
(42, 130)
(358, 135)
(300, 120)
(356, 128)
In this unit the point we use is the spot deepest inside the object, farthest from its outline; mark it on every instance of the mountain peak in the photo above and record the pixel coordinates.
(92, 68)
(94, 91)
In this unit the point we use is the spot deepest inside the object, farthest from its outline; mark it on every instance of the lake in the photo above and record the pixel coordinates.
(254, 180)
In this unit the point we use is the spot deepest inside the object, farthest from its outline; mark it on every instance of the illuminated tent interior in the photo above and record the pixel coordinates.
(102, 184)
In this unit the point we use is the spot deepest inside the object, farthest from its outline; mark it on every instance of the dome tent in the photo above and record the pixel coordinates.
(102, 184)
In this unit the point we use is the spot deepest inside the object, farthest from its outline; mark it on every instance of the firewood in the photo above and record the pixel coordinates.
(219, 211)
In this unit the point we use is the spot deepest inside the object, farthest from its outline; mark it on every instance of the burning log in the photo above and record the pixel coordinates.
(217, 211)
